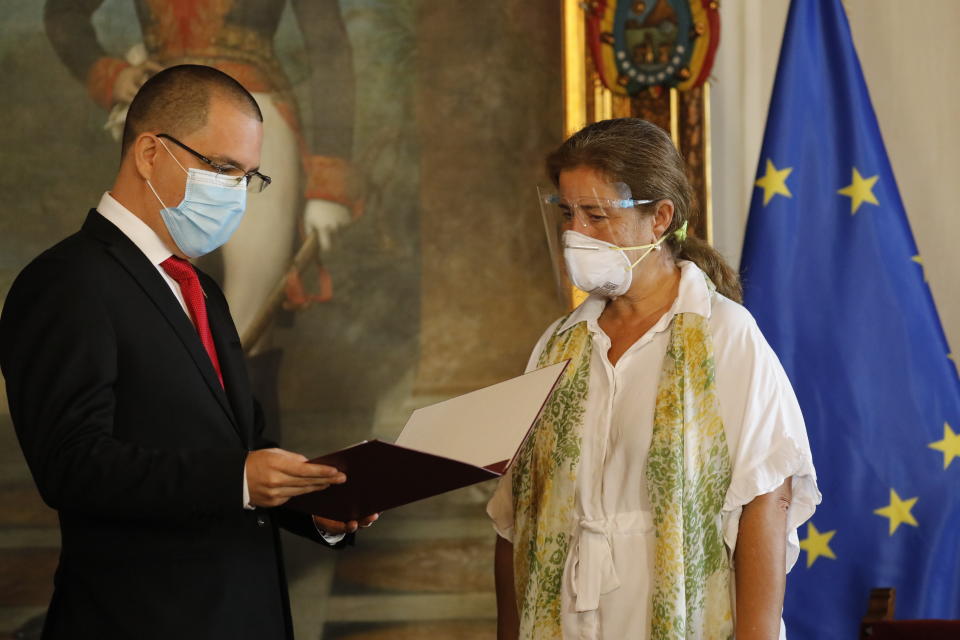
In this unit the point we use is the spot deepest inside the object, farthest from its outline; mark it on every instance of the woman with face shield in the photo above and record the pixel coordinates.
(659, 494)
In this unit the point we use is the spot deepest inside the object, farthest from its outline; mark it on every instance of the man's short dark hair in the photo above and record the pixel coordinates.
(177, 100)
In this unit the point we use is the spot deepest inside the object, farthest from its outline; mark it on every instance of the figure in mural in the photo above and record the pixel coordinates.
(237, 37)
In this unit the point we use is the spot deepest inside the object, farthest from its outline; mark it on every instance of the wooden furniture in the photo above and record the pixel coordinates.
(878, 623)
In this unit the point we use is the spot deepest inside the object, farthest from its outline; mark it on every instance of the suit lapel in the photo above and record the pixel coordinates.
(232, 365)
(156, 288)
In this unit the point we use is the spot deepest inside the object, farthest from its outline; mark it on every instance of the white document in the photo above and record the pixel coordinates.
(483, 427)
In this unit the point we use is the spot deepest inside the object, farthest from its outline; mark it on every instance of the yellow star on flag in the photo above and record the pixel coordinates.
(950, 445)
(817, 544)
(919, 261)
(898, 511)
(859, 191)
(774, 182)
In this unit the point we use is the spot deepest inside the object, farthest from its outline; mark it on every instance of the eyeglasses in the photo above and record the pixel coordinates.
(254, 180)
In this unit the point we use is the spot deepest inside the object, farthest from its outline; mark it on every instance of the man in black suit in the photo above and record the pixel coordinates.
(127, 388)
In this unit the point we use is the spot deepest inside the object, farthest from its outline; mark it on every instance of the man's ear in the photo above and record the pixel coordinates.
(662, 217)
(145, 150)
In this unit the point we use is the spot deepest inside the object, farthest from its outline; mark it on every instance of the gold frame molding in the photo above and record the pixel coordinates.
(586, 100)
(574, 47)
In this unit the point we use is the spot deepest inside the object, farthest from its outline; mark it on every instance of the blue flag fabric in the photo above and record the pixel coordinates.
(833, 276)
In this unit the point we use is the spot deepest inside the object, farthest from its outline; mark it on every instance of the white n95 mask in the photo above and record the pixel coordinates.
(600, 267)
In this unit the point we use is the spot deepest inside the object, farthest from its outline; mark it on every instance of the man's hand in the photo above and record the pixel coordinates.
(335, 527)
(274, 476)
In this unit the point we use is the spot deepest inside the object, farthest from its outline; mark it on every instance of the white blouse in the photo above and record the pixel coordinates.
(608, 575)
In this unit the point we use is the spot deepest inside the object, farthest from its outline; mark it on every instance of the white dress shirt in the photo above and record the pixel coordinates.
(765, 435)
(144, 237)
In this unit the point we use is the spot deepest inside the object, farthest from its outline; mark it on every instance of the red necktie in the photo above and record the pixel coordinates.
(183, 272)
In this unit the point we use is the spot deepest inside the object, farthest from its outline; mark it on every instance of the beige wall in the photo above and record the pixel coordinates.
(908, 51)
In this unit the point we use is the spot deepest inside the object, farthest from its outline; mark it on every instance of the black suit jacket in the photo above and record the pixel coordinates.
(131, 438)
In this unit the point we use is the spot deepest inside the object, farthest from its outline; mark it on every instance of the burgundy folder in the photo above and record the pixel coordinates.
(381, 475)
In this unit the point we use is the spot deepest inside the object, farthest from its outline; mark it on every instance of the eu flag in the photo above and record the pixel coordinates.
(833, 276)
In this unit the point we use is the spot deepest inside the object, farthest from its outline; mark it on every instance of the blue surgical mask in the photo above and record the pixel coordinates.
(208, 214)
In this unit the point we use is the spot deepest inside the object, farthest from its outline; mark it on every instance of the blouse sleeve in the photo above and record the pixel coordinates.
(766, 435)
(500, 507)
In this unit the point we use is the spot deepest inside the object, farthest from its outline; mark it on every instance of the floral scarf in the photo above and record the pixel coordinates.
(688, 472)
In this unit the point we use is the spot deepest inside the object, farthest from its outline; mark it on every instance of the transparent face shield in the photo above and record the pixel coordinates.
(595, 237)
